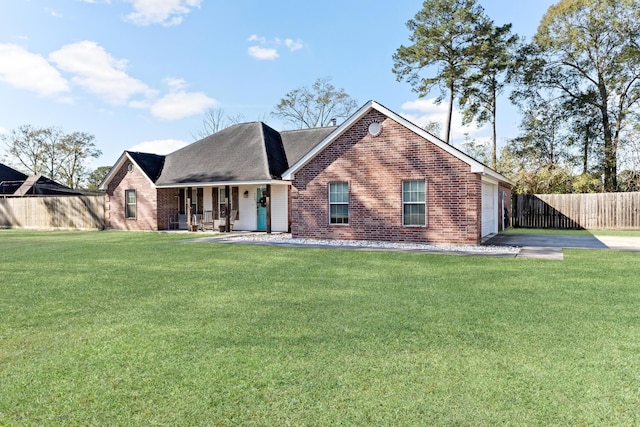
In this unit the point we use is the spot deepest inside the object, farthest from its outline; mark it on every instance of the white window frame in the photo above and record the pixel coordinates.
(127, 205)
(414, 202)
(222, 201)
(338, 203)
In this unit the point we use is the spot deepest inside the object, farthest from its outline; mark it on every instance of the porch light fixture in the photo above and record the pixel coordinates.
(246, 194)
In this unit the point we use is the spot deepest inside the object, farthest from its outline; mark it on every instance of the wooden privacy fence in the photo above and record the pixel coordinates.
(618, 211)
(68, 212)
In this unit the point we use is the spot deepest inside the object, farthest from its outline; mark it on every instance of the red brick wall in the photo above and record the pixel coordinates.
(375, 167)
(168, 201)
(146, 195)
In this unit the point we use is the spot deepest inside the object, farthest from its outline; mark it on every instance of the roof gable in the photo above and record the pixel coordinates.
(150, 164)
(475, 166)
(9, 174)
(10, 179)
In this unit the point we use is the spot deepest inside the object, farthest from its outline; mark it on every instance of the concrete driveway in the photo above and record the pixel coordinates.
(549, 246)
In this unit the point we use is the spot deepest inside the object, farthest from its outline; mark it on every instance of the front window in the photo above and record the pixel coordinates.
(339, 203)
(130, 203)
(413, 203)
(223, 202)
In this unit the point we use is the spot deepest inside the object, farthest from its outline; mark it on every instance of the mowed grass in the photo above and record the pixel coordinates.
(109, 328)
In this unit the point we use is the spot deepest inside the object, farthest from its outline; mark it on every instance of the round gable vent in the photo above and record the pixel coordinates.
(375, 129)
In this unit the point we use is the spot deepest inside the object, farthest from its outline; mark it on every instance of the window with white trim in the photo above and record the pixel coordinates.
(339, 203)
(130, 201)
(414, 203)
(222, 201)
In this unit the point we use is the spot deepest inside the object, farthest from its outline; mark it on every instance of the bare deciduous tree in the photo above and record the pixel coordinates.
(316, 106)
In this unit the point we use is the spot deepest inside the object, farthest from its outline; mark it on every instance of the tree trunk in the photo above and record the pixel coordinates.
(494, 137)
(450, 113)
(610, 162)
(585, 153)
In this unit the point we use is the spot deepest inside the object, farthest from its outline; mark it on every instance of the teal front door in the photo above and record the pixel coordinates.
(262, 209)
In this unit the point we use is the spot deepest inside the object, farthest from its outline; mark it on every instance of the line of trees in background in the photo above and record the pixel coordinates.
(577, 84)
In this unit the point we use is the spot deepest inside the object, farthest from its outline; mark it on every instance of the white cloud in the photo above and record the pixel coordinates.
(263, 53)
(3, 130)
(25, 70)
(293, 45)
(256, 38)
(175, 83)
(98, 72)
(54, 13)
(270, 53)
(160, 146)
(178, 103)
(165, 12)
(423, 111)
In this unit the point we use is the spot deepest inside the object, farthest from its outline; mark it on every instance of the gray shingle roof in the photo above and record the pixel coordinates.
(297, 143)
(242, 152)
(151, 164)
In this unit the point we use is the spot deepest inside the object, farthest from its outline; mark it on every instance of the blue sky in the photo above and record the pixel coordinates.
(139, 74)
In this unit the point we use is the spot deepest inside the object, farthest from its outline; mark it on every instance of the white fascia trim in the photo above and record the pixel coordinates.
(224, 183)
(490, 180)
(289, 174)
(489, 175)
(476, 167)
(119, 163)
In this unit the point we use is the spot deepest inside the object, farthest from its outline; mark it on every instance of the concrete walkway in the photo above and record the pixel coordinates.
(550, 246)
(541, 246)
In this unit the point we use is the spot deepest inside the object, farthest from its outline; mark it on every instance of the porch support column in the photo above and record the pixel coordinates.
(227, 198)
(189, 208)
(268, 208)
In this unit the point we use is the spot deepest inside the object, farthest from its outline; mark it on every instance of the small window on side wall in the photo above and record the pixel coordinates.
(414, 203)
(338, 203)
(130, 204)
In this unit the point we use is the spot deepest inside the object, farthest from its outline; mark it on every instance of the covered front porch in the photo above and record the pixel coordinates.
(225, 207)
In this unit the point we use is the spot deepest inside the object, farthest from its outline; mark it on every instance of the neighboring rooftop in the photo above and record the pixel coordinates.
(15, 183)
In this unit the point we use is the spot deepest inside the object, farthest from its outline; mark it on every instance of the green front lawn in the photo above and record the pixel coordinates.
(109, 328)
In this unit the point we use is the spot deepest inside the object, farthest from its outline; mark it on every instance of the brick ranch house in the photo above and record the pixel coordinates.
(377, 176)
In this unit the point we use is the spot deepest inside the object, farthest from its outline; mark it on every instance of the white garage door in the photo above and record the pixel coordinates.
(489, 209)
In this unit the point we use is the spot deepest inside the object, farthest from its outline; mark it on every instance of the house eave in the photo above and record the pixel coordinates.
(489, 174)
(476, 167)
(225, 183)
(119, 163)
